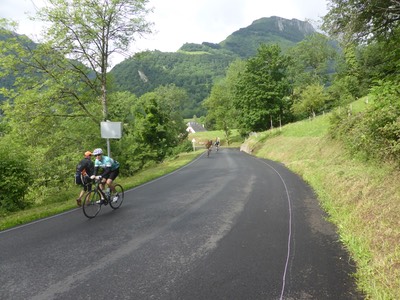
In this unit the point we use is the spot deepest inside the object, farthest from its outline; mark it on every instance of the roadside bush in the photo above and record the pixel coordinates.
(183, 146)
(14, 180)
(375, 132)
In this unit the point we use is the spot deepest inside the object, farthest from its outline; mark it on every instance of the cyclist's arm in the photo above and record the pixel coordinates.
(80, 167)
(88, 167)
(106, 171)
(97, 166)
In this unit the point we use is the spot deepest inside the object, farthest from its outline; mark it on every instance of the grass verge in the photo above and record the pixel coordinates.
(202, 137)
(361, 198)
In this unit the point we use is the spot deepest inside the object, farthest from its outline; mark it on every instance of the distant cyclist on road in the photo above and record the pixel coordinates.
(109, 166)
(208, 146)
(217, 142)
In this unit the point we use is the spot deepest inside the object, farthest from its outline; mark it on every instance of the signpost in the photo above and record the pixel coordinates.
(194, 144)
(110, 130)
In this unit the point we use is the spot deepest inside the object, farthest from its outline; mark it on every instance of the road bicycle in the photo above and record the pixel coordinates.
(96, 198)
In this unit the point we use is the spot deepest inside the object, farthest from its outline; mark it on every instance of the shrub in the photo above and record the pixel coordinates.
(375, 132)
(14, 179)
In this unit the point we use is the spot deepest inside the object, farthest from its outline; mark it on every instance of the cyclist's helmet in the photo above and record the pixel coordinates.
(97, 151)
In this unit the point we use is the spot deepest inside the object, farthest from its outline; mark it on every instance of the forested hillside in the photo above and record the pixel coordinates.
(192, 71)
(195, 67)
(7, 80)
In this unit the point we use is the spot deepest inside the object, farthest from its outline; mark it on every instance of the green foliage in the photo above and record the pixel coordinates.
(221, 111)
(204, 48)
(184, 146)
(310, 61)
(15, 176)
(145, 72)
(49, 115)
(195, 67)
(7, 35)
(90, 32)
(372, 29)
(312, 101)
(120, 107)
(343, 90)
(156, 130)
(362, 20)
(374, 133)
(357, 67)
(261, 89)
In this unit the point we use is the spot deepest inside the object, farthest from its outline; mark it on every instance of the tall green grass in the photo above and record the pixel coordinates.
(361, 198)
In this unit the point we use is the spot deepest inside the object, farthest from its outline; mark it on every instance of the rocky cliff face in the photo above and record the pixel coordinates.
(303, 27)
(277, 30)
(280, 26)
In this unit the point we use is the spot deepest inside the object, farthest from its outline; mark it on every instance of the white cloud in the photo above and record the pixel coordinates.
(183, 21)
(192, 21)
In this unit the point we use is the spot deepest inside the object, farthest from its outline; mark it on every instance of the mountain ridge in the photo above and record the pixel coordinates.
(262, 30)
(194, 67)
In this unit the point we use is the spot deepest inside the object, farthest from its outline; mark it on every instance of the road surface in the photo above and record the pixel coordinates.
(230, 226)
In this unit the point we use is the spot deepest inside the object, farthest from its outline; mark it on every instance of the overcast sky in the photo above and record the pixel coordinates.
(188, 21)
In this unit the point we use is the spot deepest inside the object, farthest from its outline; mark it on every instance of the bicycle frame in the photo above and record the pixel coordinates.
(97, 184)
(97, 197)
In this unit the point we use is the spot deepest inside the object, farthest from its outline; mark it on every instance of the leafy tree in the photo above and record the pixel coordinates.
(261, 89)
(91, 31)
(311, 60)
(360, 20)
(350, 81)
(173, 99)
(156, 129)
(220, 108)
(312, 100)
(53, 111)
(374, 26)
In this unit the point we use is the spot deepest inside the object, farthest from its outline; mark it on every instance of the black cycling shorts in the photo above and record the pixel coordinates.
(112, 175)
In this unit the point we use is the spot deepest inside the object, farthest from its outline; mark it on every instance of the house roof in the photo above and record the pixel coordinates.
(196, 126)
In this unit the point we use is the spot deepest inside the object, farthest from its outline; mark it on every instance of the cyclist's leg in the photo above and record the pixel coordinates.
(118, 197)
(111, 178)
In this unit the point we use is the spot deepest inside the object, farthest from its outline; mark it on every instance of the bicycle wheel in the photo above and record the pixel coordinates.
(90, 205)
(117, 198)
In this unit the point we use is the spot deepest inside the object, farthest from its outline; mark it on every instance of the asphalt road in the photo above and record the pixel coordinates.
(230, 226)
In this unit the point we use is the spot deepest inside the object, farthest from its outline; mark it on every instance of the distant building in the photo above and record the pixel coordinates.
(193, 127)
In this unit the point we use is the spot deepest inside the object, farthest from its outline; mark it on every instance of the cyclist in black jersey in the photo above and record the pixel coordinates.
(84, 170)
